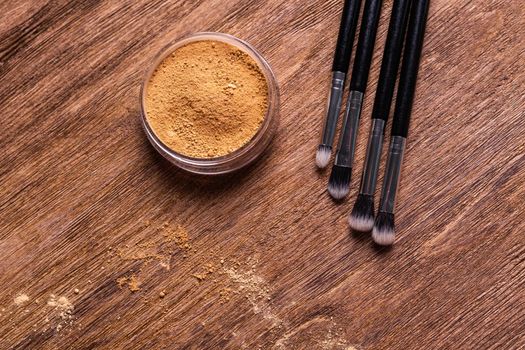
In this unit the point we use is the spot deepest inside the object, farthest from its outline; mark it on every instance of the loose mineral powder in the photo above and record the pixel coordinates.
(206, 99)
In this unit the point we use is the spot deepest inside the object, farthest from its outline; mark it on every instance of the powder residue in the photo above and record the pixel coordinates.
(131, 282)
(256, 291)
(159, 247)
(208, 269)
(225, 295)
(206, 99)
(21, 299)
(62, 305)
(177, 234)
(252, 285)
(63, 308)
(165, 240)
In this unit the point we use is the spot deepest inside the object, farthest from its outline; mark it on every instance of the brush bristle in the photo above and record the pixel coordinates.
(384, 229)
(362, 216)
(323, 156)
(339, 183)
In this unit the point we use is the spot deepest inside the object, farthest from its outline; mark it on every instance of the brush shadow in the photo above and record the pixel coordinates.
(320, 171)
(381, 249)
(335, 200)
(321, 176)
(360, 235)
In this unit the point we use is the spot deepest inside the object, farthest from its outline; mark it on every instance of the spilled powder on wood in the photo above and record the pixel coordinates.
(131, 282)
(21, 299)
(208, 269)
(256, 291)
(179, 235)
(62, 305)
(159, 247)
(63, 309)
(168, 239)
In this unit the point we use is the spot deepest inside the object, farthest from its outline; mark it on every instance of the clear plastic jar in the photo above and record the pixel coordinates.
(244, 155)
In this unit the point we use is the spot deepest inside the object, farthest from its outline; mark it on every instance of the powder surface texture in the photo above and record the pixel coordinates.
(206, 99)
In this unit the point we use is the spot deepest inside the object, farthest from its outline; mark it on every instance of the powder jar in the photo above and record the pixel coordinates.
(239, 158)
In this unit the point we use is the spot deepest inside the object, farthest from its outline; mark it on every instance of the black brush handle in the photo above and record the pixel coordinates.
(410, 67)
(391, 58)
(365, 45)
(345, 40)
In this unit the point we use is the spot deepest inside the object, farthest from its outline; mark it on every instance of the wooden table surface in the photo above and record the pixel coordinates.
(104, 245)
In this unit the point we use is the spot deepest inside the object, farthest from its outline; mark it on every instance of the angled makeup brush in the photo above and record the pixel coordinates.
(339, 183)
(362, 216)
(384, 230)
(343, 51)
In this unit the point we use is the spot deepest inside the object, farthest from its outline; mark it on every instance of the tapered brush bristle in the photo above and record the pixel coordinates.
(362, 216)
(339, 183)
(323, 156)
(384, 229)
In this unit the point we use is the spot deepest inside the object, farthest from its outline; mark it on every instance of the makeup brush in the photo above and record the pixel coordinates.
(362, 216)
(343, 51)
(339, 183)
(384, 230)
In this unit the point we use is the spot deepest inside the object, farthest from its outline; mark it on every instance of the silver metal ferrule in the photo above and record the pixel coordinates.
(347, 140)
(392, 174)
(334, 107)
(373, 156)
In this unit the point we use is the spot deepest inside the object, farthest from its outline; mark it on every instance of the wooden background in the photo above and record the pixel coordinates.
(269, 262)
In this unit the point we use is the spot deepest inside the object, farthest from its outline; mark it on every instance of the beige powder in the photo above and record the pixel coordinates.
(62, 306)
(206, 99)
(21, 299)
(132, 282)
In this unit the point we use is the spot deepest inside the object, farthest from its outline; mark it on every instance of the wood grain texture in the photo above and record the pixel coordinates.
(272, 264)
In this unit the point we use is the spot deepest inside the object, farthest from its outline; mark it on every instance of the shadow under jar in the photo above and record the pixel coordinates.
(210, 104)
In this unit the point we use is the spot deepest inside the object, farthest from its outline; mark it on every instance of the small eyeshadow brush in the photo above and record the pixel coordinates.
(339, 183)
(362, 216)
(343, 51)
(384, 230)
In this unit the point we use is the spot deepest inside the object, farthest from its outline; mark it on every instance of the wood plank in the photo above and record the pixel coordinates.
(269, 262)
